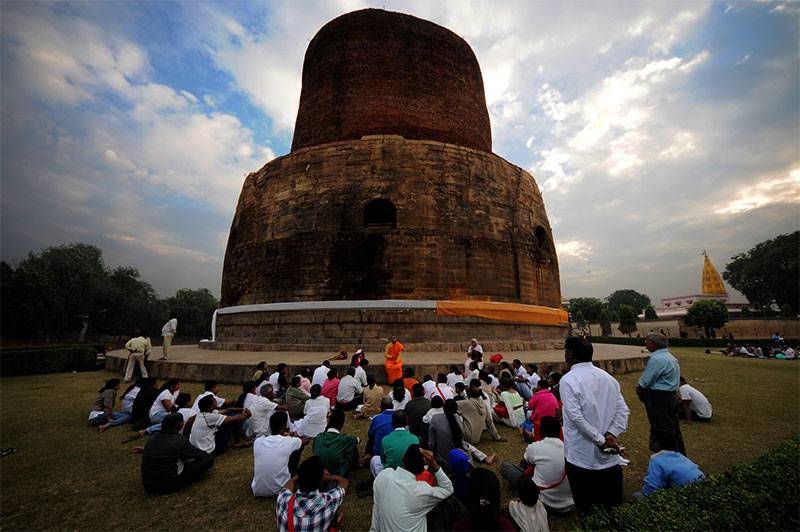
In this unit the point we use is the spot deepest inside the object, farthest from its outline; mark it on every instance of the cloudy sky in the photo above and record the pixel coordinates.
(654, 129)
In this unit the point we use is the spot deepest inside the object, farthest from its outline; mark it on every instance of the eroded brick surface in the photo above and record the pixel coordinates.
(469, 225)
(392, 110)
(376, 72)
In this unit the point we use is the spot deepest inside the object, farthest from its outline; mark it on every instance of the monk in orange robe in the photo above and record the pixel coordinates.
(394, 362)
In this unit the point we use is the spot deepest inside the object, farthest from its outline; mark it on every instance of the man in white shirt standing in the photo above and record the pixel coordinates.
(400, 502)
(595, 415)
(167, 332)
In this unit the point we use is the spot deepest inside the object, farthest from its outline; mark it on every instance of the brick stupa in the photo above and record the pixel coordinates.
(390, 204)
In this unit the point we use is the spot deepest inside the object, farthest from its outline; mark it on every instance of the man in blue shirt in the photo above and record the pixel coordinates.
(667, 468)
(658, 389)
(381, 426)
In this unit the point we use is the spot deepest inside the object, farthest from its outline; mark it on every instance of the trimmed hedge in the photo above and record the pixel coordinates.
(691, 342)
(759, 495)
(58, 359)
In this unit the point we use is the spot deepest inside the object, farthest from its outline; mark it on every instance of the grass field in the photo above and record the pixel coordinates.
(66, 475)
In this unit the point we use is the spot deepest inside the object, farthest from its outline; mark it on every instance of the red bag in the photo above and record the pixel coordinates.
(496, 358)
(501, 410)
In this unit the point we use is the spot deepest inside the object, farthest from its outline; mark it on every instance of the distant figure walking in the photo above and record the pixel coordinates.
(394, 360)
(138, 349)
(167, 332)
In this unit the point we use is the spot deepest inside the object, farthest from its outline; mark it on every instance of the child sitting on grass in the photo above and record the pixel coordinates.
(528, 512)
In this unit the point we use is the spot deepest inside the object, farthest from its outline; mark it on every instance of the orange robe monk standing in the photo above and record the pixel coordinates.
(394, 362)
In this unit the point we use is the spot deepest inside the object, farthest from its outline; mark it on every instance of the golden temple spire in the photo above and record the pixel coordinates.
(712, 282)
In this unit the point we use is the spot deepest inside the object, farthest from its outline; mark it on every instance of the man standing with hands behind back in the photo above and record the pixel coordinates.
(595, 414)
(167, 332)
(658, 388)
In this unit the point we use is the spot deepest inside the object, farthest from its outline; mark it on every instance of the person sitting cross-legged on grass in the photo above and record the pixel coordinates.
(295, 398)
(528, 513)
(275, 457)
(348, 395)
(394, 444)
(338, 451)
(483, 504)
(140, 409)
(373, 394)
(304, 503)
(544, 461)
(668, 468)
(211, 430)
(401, 502)
(400, 396)
(416, 409)
(212, 388)
(542, 404)
(163, 405)
(446, 433)
(102, 414)
(169, 461)
(379, 427)
(315, 414)
(331, 387)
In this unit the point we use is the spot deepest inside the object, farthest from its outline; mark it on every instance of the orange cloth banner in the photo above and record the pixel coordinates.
(532, 314)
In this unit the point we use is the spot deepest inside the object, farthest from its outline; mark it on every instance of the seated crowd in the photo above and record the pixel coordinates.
(423, 443)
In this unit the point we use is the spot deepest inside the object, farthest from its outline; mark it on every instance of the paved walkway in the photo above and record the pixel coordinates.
(192, 354)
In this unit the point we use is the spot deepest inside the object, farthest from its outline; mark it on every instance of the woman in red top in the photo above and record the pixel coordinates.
(543, 403)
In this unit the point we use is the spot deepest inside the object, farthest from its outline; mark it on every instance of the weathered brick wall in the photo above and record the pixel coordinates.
(376, 72)
(470, 225)
(332, 330)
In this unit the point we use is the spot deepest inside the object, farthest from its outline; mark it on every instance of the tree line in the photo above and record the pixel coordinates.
(69, 292)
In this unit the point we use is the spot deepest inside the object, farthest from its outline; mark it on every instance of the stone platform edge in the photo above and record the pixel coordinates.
(239, 373)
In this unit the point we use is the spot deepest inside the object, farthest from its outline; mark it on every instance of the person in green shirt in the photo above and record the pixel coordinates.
(395, 444)
(338, 452)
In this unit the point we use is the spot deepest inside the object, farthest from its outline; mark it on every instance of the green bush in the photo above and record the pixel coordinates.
(760, 495)
(57, 359)
(691, 342)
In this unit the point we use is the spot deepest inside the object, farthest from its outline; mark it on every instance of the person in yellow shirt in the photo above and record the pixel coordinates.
(394, 360)
(138, 348)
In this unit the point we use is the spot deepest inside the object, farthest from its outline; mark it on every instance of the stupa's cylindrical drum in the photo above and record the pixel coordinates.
(391, 193)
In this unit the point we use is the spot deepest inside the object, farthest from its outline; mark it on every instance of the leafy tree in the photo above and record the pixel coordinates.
(650, 313)
(67, 291)
(787, 311)
(627, 319)
(194, 309)
(746, 312)
(56, 290)
(632, 298)
(768, 273)
(605, 323)
(580, 321)
(707, 314)
(142, 309)
(590, 307)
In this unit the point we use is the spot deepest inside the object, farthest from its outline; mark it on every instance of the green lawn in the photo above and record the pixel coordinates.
(68, 476)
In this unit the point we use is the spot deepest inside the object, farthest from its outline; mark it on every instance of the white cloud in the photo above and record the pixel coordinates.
(770, 190)
(574, 249)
